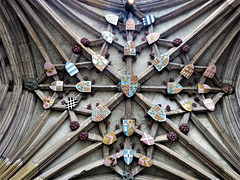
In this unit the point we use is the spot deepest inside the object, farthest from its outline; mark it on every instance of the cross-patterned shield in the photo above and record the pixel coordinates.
(147, 139)
(128, 156)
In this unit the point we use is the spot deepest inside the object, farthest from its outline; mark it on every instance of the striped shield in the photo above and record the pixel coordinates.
(128, 156)
(149, 19)
(71, 68)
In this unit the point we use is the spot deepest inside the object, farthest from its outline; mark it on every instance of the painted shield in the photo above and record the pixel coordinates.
(174, 88)
(147, 139)
(71, 103)
(128, 126)
(130, 24)
(187, 71)
(149, 19)
(109, 138)
(100, 113)
(129, 84)
(56, 86)
(112, 19)
(209, 104)
(84, 86)
(99, 62)
(153, 37)
(110, 160)
(161, 62)
(48, 102)
(210, 71)
(186, 104)
(128, 156)
(203, 88)
(50, 69)
(129, 49)
(145, 161)
(71, 68)
(157, 113)
(107, 36)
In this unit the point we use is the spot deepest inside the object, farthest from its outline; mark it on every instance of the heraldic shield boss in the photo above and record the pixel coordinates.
(128, 126)
(129, 84)
(128, 156)
(161, 62)
(48, 102)
(56, 86)
(109, 138)
(84, 86)
(110, 160)
(100, 113)
(145, 161)
(157, 113)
